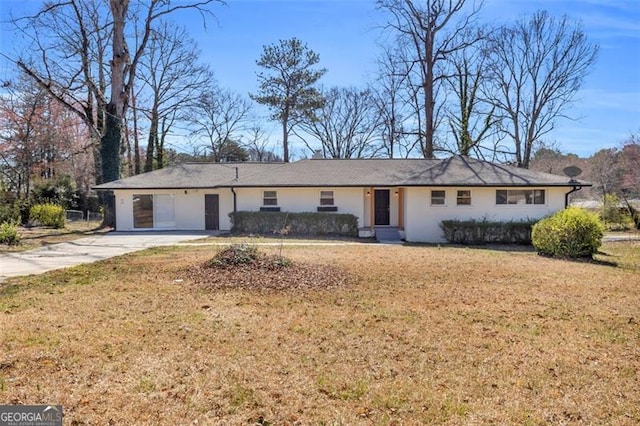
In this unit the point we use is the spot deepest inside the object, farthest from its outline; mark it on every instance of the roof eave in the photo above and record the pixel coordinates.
(360, 185)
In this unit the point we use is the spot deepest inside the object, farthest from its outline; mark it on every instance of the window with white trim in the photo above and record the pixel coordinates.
(438, 197)
(326, 198)
(270, 198)
(463, 197)
(520, 196)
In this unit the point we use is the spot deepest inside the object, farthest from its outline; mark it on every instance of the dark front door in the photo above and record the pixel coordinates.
(381, 206)
(211, 212)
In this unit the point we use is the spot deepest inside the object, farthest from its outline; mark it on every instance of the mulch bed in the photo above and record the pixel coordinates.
(296, 276)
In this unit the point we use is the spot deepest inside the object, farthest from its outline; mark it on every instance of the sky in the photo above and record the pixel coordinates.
(346, 35)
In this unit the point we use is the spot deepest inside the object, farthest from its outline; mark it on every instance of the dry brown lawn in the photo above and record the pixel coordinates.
(418, 335)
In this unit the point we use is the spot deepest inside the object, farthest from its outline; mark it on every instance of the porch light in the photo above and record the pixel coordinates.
(368, 193)
(396, 193)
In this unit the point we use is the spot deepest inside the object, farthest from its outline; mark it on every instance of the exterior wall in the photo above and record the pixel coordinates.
(422, 220)
(394, 197)
(298, 200)
(367, 207)
(188, 207)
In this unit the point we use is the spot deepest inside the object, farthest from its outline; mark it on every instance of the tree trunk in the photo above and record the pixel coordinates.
(160, 147)
(110, 143)
(152, 142)
(110, 146)
(428, 99)
(136, 143)
(285, 139)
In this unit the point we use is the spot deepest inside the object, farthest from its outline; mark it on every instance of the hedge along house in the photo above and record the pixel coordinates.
(406, 197)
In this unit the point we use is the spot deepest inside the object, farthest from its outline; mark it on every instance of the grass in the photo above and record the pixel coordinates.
(420, 335)
(36, 237)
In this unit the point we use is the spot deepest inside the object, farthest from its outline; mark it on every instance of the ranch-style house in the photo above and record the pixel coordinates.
(410, 196)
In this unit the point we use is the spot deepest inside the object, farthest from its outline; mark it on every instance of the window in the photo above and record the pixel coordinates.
(520, 196)
(153, 211)
(326, 198)
(438, 198)
(270, 198)
(142, 211)
(464, 197)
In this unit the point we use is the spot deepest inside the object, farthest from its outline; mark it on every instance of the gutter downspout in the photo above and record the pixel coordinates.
(233, 190)
(566, 196)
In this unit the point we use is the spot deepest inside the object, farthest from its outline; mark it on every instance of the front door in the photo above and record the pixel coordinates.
(381, 206)
(211, 212)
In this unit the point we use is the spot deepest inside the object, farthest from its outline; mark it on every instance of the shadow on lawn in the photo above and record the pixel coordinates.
(487, 247)
(524, 248)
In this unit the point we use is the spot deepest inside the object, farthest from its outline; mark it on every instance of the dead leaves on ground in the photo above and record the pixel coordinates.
(259, 277)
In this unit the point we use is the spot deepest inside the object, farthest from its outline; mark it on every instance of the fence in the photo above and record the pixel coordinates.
(78, 215)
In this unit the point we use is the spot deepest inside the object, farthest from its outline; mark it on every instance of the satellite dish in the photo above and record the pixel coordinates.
(572, 171)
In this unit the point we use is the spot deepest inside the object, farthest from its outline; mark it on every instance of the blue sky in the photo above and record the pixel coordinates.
(344, 33)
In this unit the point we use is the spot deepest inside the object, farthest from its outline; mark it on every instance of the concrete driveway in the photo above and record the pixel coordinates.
(87, 250)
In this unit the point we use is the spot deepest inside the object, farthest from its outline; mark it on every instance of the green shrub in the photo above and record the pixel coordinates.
(614, 216)
(573, 232)
(48, 215)
(236, 254)
(475, 232)
(60, 190)
(9, 212)
(9, 234)
(247, 255)
(312, 223)
(635, 216)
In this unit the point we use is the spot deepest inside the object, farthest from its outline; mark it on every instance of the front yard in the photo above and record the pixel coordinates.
(418, 335)
(39, 236)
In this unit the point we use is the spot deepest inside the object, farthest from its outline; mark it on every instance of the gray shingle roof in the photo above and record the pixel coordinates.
(455, 171)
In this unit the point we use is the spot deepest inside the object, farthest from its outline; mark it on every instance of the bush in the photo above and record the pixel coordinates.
(475, 232)
(236, 254)
(573, 233)
(9, 234)
(61, 191)
(48, 215)
(247, 255)
(9, 212)
(295, 223)
(614, 215)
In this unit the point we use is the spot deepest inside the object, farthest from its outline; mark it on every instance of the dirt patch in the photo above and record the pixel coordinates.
(261, 277)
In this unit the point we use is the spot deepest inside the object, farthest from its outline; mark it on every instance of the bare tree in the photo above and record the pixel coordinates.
(68, 59)
(287, 84)
(172, 77)
(629, 159)
(388, 89)
(432, 34)
(40, 139)
(471, 117)
(218, 117)
(258, 145)
(605, 172)
(347, 125)
(66, 56)
(538, 65)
